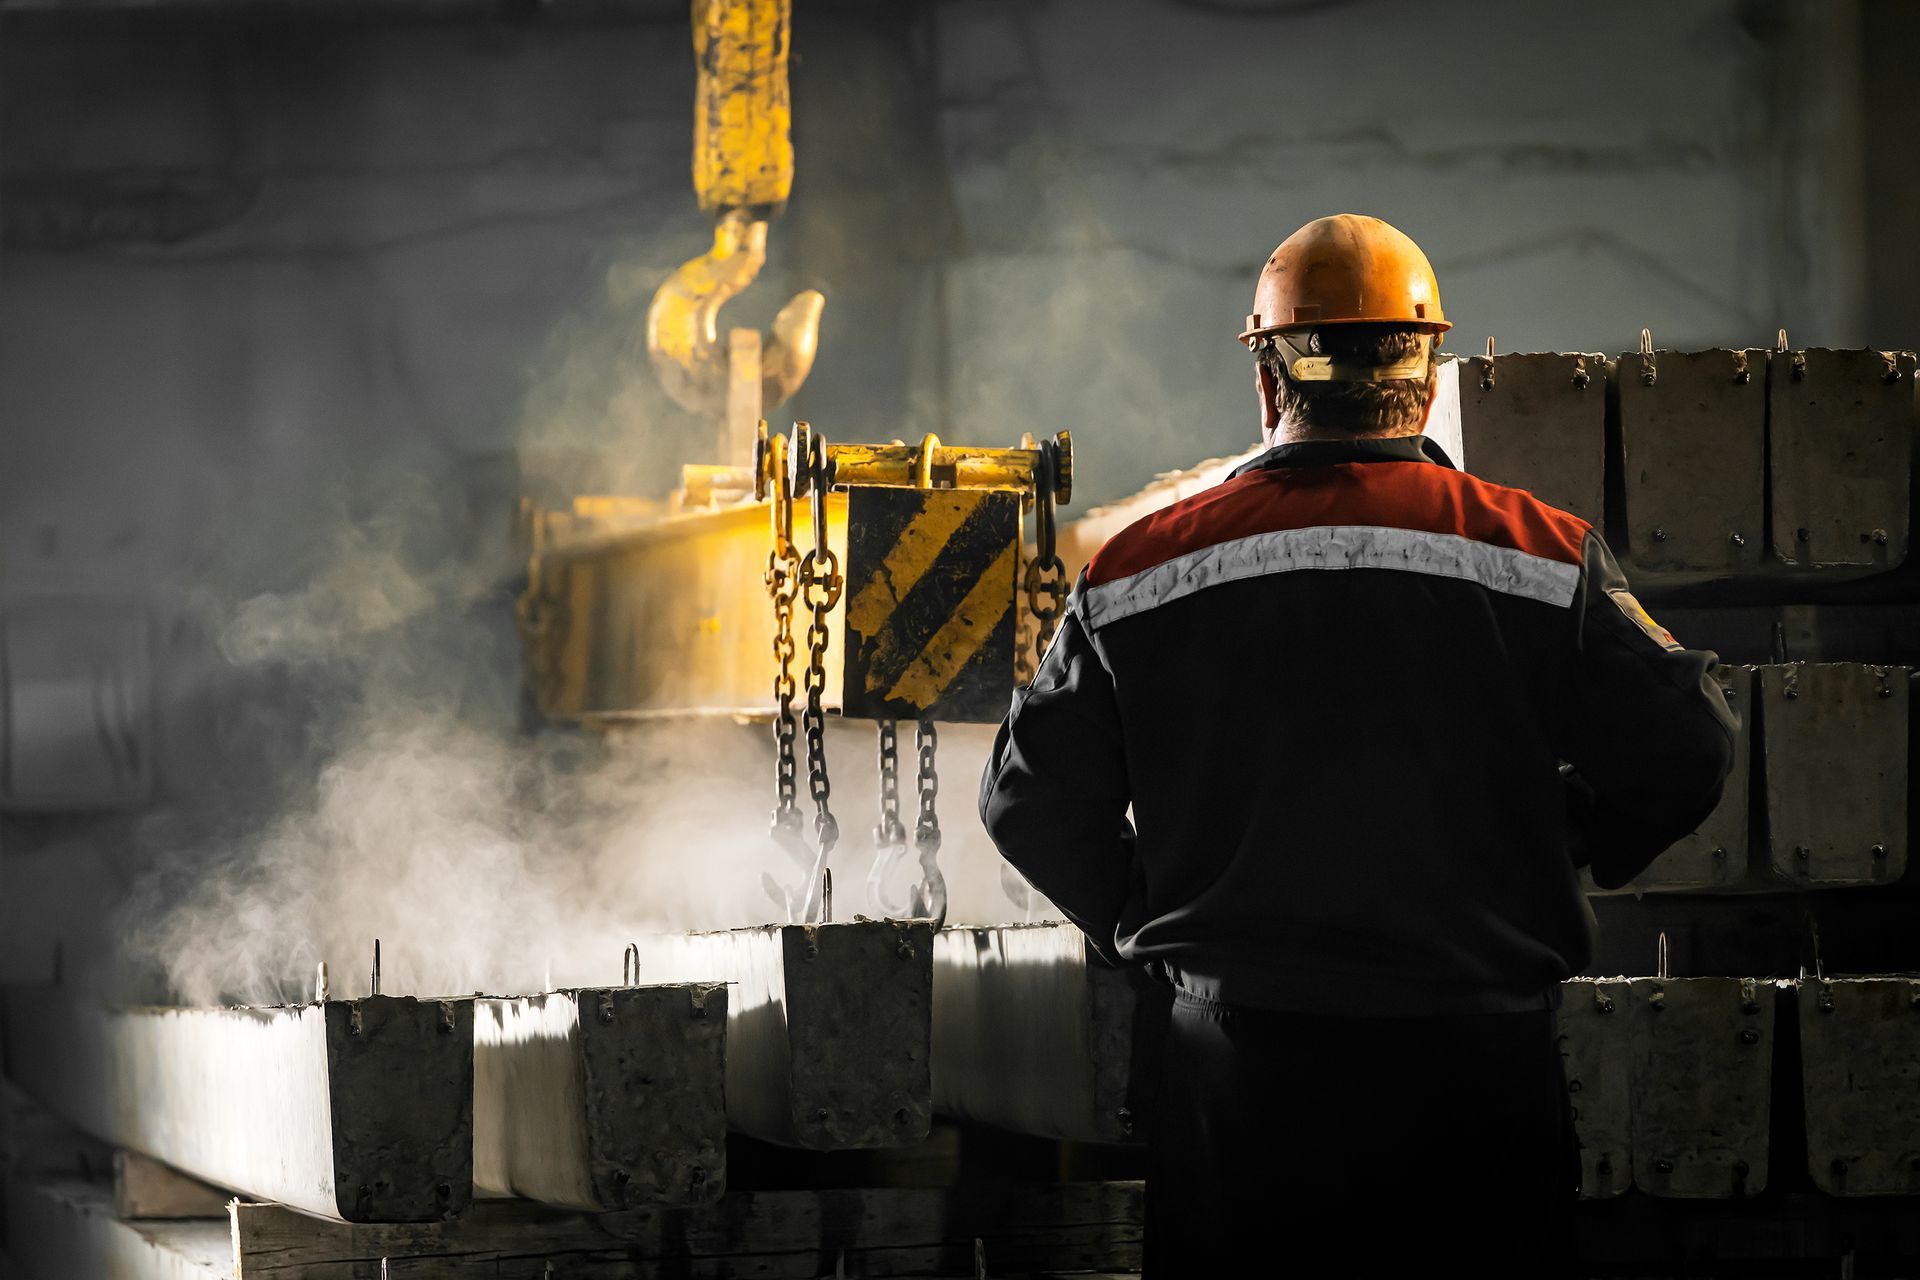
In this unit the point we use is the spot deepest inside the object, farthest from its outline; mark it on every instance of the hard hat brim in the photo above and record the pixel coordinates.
(1268, 330)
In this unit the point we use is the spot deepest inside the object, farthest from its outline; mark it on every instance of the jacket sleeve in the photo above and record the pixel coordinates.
(1649, 734)
(1054, 796)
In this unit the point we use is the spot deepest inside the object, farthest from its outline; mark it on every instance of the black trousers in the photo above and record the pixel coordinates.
(1298, 1144)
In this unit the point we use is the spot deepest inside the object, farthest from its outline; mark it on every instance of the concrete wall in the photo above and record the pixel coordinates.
(265, 280)
(1574, 172)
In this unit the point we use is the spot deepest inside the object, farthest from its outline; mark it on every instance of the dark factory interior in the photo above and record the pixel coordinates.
(671, 638)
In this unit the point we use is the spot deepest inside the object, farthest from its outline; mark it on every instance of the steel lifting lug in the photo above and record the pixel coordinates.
(1486, 373)
(1648, 374)
(683, 325)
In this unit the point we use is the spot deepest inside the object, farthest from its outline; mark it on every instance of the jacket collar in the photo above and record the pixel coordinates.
(1326, 453)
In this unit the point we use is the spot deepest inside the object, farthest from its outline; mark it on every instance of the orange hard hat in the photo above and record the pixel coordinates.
(1347, 269)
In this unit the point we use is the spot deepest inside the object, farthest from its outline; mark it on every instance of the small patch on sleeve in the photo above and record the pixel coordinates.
(1638, 615)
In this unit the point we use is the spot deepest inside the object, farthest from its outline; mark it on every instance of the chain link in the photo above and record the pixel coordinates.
(1046, 577)
(782, 576)
(1023, 614)
(890, 832)
(890, 836)
(931, 897)
(1046, 596)
(820, 587)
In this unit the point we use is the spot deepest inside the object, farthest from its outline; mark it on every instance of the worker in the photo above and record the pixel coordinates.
(1325, 746)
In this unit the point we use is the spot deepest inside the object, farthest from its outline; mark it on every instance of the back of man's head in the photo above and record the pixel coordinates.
(1354, 409)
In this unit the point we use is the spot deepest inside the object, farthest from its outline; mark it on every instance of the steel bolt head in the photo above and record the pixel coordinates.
(1878, 851)
(1749, 1036)
(1663, 1166)
(1802, 852)
(1659, 535)
(1802, 535)
(1737, 538)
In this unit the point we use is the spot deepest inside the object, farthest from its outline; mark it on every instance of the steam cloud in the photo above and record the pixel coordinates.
(414, 804)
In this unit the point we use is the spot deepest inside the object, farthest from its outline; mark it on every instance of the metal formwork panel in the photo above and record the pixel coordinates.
(1840, 454)
(1860, 1076)
(1834, 742)
(1715, 855)
(1693, 432)
(1539, 422)
(1703, 1068)
(1597, 1042)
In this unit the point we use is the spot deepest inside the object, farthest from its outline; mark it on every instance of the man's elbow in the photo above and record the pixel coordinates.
(1682, 784)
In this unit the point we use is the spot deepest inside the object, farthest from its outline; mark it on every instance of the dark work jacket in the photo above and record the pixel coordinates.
(1301, 739)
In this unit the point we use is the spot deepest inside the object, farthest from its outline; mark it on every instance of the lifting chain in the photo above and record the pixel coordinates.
(1046, 576)
(1023, 632)
(890, 832)
(890, 836)
(930, 895)
(783, 584)
(820, 588)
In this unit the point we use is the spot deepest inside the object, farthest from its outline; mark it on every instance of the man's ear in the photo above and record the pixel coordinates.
(1269, 413)
(1433, 395)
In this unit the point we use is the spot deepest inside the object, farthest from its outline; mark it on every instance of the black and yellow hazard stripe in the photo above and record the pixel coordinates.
(930, 603)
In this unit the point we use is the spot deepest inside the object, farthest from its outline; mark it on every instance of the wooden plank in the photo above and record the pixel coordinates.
(360, 1110)
(1033, 1034)
(145, 1188)
(600, 1098)
(828, 1027)
(889, 1232)
(66, 1229)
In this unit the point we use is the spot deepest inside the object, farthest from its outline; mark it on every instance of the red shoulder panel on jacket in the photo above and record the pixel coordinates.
(1420, 496)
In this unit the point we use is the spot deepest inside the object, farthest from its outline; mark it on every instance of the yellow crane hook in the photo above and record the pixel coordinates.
(683, 324)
